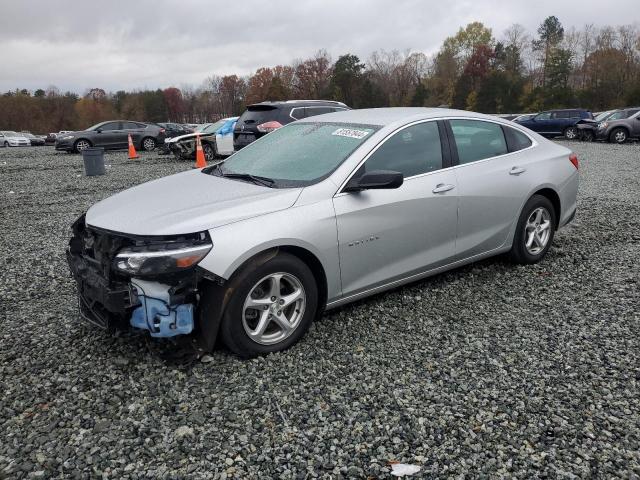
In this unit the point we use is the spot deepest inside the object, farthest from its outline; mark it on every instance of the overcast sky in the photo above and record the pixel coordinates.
(138, 44)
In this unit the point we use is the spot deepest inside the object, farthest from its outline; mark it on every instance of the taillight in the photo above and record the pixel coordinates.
(573, 158)
(162, 130)
(268, 126)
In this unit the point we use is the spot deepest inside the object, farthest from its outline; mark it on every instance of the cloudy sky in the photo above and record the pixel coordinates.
(77, 45)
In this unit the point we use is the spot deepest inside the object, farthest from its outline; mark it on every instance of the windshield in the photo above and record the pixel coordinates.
(603, 115)
(211, 127)
(92, 127)
(9, 133)
(299, 154)
(618, 115)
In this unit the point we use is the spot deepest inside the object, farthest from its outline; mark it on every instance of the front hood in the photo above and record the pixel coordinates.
(185, 203)
(188, 135)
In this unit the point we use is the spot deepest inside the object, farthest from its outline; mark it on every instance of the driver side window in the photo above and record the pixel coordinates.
(411, 151)
(110, 126)
(543, 116)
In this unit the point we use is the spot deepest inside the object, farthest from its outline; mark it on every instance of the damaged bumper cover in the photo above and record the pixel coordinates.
(125, 281)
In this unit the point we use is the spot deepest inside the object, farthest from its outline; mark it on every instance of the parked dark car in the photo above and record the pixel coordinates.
(262, 118)
(50, 139)
(35, 141)
(554, 123)
(113, 135)
(174, 129)
(621, 126)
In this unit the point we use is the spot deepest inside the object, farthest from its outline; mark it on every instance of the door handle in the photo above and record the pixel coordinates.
(517, 170)
(443, 187)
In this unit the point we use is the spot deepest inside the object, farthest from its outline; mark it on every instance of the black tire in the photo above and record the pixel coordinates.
(209, 152)
(148, 144)
(588, 136)
(519, 252)
(6, 144)
(618, 135)
(77, 146)
(570, 133)
(232, 329)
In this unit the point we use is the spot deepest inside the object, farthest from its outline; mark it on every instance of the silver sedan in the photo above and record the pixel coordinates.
(317, 214)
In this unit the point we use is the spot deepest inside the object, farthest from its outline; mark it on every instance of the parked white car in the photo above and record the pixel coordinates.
(9, 138)
(216, 138)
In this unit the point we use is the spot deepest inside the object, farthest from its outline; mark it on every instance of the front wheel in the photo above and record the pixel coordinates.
(6, 144)
(587, 136)
(148, 144)
(535, 231)
(571, 133)
(271, 307)
(618, 135)
(81, 145)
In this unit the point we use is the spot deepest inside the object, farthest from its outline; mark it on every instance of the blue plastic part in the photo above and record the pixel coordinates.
(160, 319)
(227, 127)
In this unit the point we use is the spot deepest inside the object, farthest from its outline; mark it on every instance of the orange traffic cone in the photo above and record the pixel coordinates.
(200, 161)
(132, 150)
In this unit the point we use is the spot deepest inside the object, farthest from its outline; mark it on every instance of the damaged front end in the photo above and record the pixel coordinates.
(148, 283)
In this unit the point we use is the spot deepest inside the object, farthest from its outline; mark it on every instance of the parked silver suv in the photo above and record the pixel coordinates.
(620, 126)
(317, 214)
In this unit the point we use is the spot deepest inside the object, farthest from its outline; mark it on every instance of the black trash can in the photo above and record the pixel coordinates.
(93, 158)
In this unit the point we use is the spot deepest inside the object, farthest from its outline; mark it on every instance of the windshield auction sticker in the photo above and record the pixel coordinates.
(351, 133)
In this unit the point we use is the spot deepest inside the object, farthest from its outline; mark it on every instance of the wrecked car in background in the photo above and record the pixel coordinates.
(216, 139)
(317, 214)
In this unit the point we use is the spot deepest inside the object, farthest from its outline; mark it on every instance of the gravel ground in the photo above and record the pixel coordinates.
(492, 370)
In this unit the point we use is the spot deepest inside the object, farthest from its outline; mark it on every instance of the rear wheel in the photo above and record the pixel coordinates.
(148, 144)
(81, 145)
(535, 231)
(271, 308)
(618, 135)
(570, 133)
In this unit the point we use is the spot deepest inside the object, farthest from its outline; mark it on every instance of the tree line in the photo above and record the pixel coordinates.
(592, 67)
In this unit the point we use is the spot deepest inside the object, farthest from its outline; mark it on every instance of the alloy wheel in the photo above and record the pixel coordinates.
(537, 230)
(149, 144)
(274, 308)
(620, 136)
(82, 145)
(571, 133)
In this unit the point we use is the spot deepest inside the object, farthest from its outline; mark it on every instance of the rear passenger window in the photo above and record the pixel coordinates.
(477, 140)
(411, 151)
(311, 111)
(516, 140)
(298, 113)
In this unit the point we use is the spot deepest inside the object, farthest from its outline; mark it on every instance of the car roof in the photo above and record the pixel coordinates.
(300, 103)
(388, 116)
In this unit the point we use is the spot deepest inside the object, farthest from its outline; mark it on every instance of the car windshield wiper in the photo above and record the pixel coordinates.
(258, 180)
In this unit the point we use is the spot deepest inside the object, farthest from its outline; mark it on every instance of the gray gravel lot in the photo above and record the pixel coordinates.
(492, 370)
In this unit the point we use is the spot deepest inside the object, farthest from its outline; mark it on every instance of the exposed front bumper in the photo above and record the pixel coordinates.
(113, 301)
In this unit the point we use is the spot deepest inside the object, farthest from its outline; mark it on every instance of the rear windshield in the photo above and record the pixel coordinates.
(299, 154)
(257, 114)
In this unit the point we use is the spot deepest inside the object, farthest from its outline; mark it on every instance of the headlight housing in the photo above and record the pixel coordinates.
(602, 125)
(158, 259)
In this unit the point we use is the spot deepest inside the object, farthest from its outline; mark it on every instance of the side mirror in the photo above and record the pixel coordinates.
(98, 130)
(375, 180)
